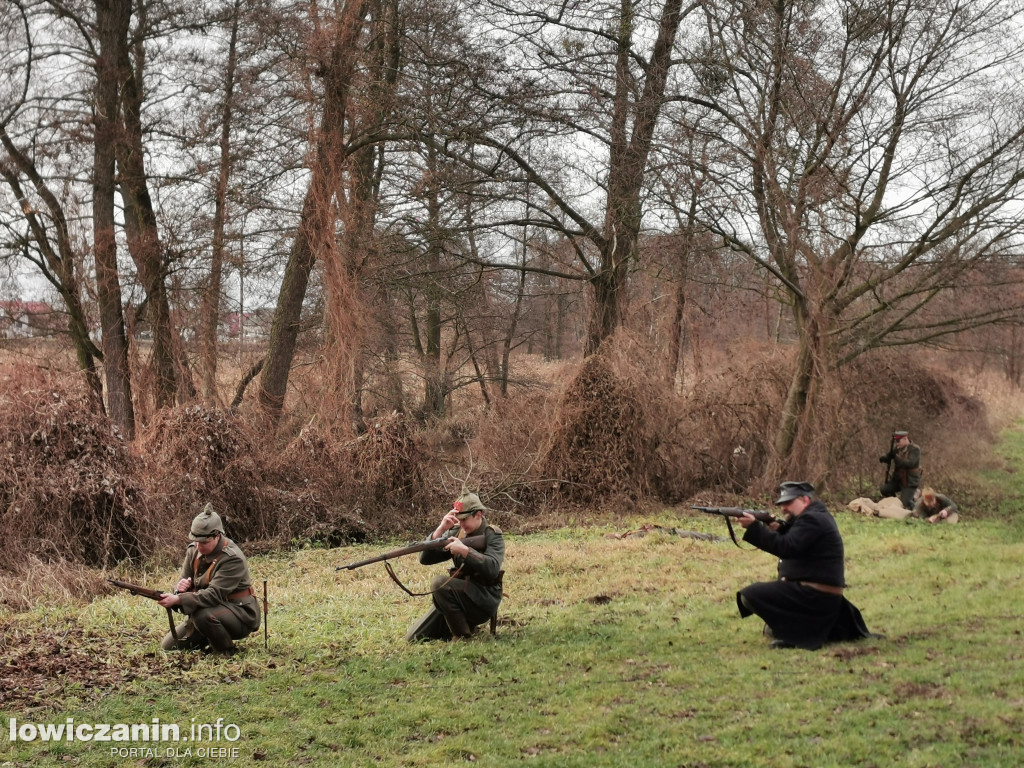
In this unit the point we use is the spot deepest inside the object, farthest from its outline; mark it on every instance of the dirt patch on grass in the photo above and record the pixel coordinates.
(44, 666)
(919, 691)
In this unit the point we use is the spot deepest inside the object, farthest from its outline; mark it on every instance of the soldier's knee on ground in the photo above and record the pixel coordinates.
(431, 626)
(188, 638)
(219, 626)
(443, 594)
(458, 625)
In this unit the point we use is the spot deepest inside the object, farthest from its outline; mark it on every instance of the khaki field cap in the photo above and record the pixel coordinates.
(205, 524)
(467, 504)
(790, 491)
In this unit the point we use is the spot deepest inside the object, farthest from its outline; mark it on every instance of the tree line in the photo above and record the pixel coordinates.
(428, 185)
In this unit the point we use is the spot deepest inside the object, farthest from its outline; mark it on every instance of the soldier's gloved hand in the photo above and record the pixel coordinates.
(885, 459)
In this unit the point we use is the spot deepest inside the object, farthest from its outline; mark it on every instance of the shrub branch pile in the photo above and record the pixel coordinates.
(198, 454)
(386, 463)
(348, 490)
(720, 434)
(601, 443)
(68, 489)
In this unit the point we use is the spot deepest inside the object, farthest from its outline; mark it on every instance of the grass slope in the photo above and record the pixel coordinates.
(611, 652)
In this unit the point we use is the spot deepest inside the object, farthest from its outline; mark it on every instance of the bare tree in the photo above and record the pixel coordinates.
(141, 225)
(47, 239)
(211, 298)
(588, 78)
(113, 19)
(316, 229)
(871, 160)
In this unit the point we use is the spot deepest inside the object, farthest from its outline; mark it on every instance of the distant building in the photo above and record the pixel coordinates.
(249, 326)
(26, 319)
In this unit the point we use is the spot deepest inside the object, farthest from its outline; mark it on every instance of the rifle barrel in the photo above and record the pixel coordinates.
(473, 542)
(757, 514)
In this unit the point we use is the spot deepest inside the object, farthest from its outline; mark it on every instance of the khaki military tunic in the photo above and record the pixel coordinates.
(221, 606)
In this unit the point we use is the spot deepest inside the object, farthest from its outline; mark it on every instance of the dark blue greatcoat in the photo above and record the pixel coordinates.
(810, 551)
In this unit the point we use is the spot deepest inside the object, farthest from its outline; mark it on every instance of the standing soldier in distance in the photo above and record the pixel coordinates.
(470, 594)
(906, 476)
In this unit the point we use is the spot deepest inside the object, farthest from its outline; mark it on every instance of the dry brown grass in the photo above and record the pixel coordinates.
(588, 439)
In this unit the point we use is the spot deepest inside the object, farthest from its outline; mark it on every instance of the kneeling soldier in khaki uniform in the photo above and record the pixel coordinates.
(215, 591)
(470, 594)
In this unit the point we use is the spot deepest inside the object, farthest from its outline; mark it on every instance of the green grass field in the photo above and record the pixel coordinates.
(610, 652)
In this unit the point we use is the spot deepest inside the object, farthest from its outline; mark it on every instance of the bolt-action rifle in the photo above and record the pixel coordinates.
(152, 594)
(889, 458)
(473, 542)
(729, 512)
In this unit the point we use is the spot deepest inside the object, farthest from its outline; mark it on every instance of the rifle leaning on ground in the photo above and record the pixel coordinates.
(729, 512)
(152, 594)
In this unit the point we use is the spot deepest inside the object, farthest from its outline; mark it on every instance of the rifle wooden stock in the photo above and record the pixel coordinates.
(473, 542)
(135, 589)
(152, 594)
(757, 514)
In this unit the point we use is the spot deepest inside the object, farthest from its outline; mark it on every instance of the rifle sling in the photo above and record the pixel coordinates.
(732, 533)
(394, 578)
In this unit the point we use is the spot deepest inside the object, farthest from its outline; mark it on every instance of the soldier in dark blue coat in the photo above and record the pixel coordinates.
(805, 608)
(469, 595)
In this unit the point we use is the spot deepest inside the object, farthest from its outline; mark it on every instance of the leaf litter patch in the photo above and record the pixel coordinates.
(43, 668)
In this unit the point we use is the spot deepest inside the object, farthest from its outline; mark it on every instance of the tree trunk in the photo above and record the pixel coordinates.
(609, 293)
(284, 329)
(210, 315)
(316, 224)
(112, 20)
(792, 438)
(433, 375)
(141, 227)
(674, 362)
(510, 335)
(627, 166)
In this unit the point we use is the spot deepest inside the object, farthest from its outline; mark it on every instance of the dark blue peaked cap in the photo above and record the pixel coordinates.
(790, 491)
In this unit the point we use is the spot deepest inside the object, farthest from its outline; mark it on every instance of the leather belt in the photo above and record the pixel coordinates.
(822, 587)
(242, 593)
